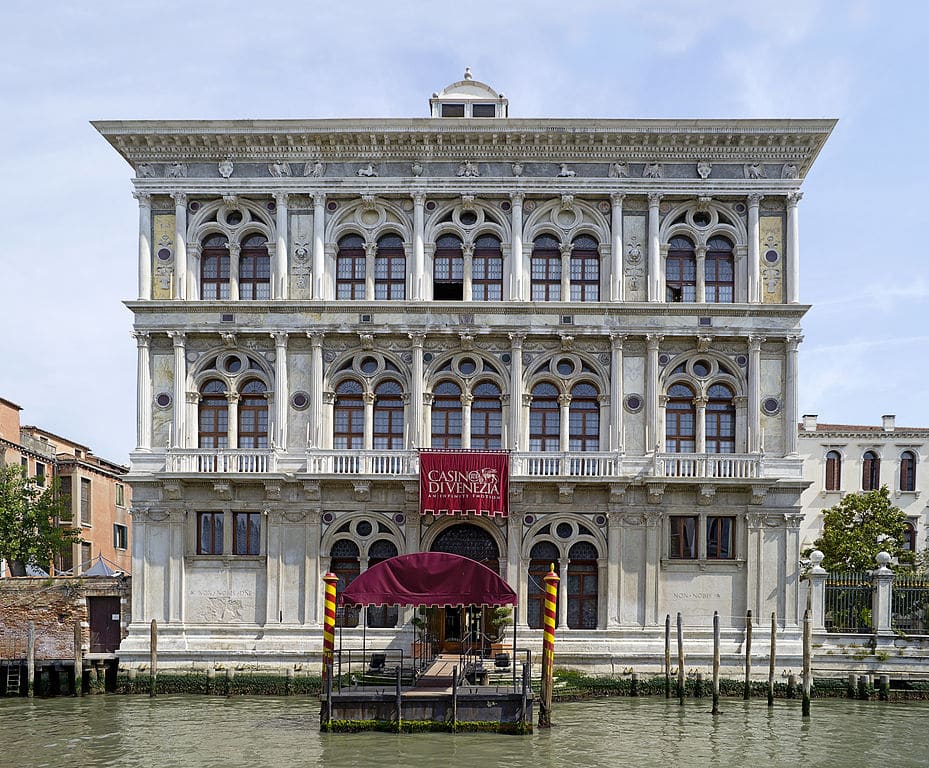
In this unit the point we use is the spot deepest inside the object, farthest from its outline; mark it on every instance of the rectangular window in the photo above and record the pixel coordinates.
(86, 511)
(120, 495)
(209, 533)
(40, 473)
(483, 110)
(453, 110)
(87, 556)
(65, 488)
(247, 533)
(24, 463)
(683, 538)
(120, 536)
(720, 538)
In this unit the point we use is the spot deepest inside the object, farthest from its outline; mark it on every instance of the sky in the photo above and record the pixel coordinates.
(66, 355)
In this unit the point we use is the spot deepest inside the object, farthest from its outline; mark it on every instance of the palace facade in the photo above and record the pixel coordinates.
(614, 302)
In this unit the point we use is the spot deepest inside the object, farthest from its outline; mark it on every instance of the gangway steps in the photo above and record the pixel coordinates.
(13, 680)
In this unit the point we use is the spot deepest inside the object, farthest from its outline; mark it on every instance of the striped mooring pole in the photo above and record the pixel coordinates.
(548, 647)
(329, 626)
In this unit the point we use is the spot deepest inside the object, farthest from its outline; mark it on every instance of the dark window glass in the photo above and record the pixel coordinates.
(345, 564)
(681, 271)
(390, 269)
(833, 471)
(683, 545)
(542, 556)
(253, 415)
(446, 415)
(720, 420)
(350, 268)
(487, 270)
(486, 417)
(908, 471)
(585, 270)
(584, 419)
(247, 528)
(544, 419)
(483, 110)
(545, 267)
(582, 586)
(720, 538)
(213, 416)
(453, 110)
(870, 471)
(214, 268)
(680, 420)
(381, 615)
(209, 533)
(720, 271)
(255, 269)
(348, 416)
(388, 416)
(448, 270)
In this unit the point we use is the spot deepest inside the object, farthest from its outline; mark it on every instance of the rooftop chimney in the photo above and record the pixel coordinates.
(809, 422)
(887, 422)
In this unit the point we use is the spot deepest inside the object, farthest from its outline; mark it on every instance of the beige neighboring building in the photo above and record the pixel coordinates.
(99, 495)
(848, 458)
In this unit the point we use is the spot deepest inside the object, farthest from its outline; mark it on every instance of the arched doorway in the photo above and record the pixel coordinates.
(455, 627)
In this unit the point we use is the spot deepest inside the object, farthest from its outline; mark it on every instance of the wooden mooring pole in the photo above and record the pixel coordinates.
(30, 660)
(772, 656)
(807, 661)
(747, 687)
(715, 662)
(667, 656)
(548, 647)
(680, 659)
(455, 698)
(153, 648)
(78, 659)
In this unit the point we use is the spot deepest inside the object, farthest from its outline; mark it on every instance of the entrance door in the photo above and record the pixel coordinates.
(104, 624)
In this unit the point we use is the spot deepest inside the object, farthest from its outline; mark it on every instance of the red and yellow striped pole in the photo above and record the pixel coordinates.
(329, 626)
(548, 646)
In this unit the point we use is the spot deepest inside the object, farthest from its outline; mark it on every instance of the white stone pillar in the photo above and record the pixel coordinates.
(325, 431)
(414, 439)
(790, 396)
(654, 249)
(232, 433)
(428, 397)
(143, 391)
(192, 431)
(564, 414)
(466, 399)
(280, 390)
(700, 290)
(316, 389)
(563, 593)
(368, 398)
(754, 393)
(145, 244)
(793, 248)
(319, 245)
(613, 574)
(616, 253)
(235, 250)
(279, 273)
(882, 580)
(419, 253)
(652, 342)
(516, 392)
(180, 386)
(616, 392)
(180, 245)
(566, 249)
(370, 255)
(514, 285)
(754, 248)
(817, 578)
(467, 253)
(700, 414)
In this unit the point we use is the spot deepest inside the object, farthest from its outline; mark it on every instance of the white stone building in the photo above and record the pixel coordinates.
(849, 458)
(615, 302)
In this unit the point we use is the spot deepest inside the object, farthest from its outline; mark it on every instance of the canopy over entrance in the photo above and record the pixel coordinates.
(428, 579)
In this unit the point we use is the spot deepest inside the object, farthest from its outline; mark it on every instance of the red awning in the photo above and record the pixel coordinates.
(429, 579)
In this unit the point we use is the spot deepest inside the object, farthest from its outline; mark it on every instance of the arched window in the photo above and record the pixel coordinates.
(720, 420)
(681, 271)
(719, 270)
(680, 420)
(344, 563)
(909, 537)
(350, 268)
(446, 415)
(582, 586)
(584, 418)
(585, 269)
(390, 269)
(213, 416)
(486, 417)
(253, 415)
(472, 541)
(544, 419)
(908, 471)
(542, 556)
(388, 416)
(448, 269)
(546, 269)
(833, 471)
(214, 268)
(870, 471)
(382, 615)
(349, 415)
(255, 269)
(487, 270)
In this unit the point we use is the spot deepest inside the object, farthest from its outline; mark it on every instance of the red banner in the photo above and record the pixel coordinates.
(463, 483)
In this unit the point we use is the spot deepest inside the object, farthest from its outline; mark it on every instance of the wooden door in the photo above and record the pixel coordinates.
(104, 624)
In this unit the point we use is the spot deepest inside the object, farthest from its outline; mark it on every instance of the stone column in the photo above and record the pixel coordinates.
(144, 392)
(279, 273)
(368, 398)
(514, 276)
(316, 388)
(652, 342)
(325, 431)
(882, 579)
(790, 396)
(754, 247)
(566, 249)
(416, 420)
(180, 386)
(654, 249)
(514, 571)
(426, 439)
(700, 290)
(700, 409)
(370, 254)
(516, 392)
(754, 393)
(145, 244)
(235, 251)
(563, 593)
(616, 392)
(793, 248)
(467, 253)
(280, 390)
(613, 546)
(312, 570)
(525, 405)
(817, 583)
(466, 399)
(180, 245)
(319, 245)
(564, 403)
(652, 557)
(194, 254)
(616, 252)
(419, 253)
(232, 434)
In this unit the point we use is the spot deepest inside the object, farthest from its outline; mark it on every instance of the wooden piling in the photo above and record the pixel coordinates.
(153, 648)
(634, 685)
(327, 672)
(524, 699)
(791, 686)
(852, 689)
(747, 687)
(698, 686)
(78, 660)
(210, 680)
(30, 660)
(807, 661)
(863, 693)
(715, 662)
(455, 699)
(772, 657)
(680, 659)
(667, 656)
(399, 698)
(884, 687)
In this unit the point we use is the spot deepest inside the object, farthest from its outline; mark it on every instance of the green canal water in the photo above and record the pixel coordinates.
(204, 731)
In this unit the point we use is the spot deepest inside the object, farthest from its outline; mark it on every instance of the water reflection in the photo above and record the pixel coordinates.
(206, 731)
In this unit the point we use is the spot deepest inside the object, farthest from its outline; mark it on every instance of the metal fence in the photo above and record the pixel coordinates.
(909, 603)
(848, 602)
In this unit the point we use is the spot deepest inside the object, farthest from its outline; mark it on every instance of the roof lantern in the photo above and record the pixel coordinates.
(468, 98)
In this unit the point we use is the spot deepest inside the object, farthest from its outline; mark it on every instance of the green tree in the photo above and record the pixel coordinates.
(860, 526)
(29, 534)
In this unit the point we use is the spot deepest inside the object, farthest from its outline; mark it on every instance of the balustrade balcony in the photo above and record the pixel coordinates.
(216, 461)
(709, 465)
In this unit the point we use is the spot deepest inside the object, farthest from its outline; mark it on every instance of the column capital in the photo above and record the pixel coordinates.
(653, 341)
(564, 399)
(466, 398)
(793, 342)
(319, 198)
(754, 200)
(566, 248)
(516, 340)
(234, 249)
(368, 398)
(653, 199)
(418, 339)
(144, 198)
(232, 397)
(281, 199)
(328, 398)
(517, 197)
(370, 249)
(419, 197)
(793, 198)
(740, 401)
(316, 338)
(467, 250)
(700, 401)
(280, 338)
(616, 341)
(194, 397)
(142, 338)
(180, 199)
(527, 399)
(178, 337)
(755, 342)
(617, 198)
(428, 398)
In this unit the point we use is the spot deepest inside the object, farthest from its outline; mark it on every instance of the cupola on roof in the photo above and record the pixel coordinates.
(468, 98)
